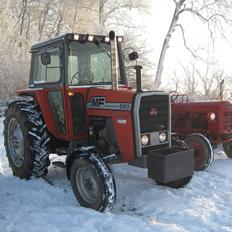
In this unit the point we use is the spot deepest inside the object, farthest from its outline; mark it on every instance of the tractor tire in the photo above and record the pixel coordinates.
(203, 152)
(92, 182)
(26, 138)
(227, 147)
(177, 183)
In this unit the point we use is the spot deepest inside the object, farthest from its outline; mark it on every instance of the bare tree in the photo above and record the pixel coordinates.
(227, 88)
(176, 81)
(25, 22)
(204, 82)
(190, 80)
(99, 15)
(214, 13)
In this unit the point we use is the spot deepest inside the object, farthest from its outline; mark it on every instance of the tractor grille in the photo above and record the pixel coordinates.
(153, 113)
(227, 120)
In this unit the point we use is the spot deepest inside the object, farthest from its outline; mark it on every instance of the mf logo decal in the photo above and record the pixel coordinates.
(100, 103)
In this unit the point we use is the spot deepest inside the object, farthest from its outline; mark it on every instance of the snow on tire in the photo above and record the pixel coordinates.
(26, 138)
(92, 181)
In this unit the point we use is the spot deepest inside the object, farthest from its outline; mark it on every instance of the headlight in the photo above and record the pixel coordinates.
(144, 140)
(162, 137)
(211, 116)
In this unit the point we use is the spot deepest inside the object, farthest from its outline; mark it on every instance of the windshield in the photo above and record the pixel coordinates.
(89, 64)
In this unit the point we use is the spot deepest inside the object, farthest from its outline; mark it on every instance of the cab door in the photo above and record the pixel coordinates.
(47, 76)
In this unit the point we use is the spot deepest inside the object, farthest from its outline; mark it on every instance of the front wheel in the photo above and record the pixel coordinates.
(92, 182)
(227, 147)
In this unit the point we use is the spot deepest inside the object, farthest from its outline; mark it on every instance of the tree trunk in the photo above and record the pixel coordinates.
(100, 15)
(24, 8)
(166, 44)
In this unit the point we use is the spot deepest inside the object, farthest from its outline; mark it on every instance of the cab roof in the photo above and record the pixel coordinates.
(63, 37)
(51, 41)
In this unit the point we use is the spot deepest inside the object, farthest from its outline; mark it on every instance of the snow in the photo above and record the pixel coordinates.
(49, 205)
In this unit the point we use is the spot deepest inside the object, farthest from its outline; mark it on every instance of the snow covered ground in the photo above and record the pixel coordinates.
(35, 205)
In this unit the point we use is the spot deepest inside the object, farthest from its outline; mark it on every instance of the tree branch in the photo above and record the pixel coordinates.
(185, 43)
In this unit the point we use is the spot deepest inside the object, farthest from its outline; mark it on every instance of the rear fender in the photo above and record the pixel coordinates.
(27, 92)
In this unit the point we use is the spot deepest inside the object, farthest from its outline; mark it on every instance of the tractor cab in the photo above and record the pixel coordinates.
(76, 60)
(75, 75)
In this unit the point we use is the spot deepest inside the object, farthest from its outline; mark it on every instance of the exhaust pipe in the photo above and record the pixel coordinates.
(138, 77)
(114, 60)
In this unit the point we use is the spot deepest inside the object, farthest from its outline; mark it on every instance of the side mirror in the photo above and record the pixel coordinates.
(46, 58)
(133, 56)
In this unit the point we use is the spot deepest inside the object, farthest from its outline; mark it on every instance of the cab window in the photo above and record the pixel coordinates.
(49, 73)
(89, 64)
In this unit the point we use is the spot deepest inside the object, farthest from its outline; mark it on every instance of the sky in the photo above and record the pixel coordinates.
(197, 37)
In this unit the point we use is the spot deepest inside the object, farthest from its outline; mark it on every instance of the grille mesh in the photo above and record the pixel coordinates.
(227, 120)
(153, 113)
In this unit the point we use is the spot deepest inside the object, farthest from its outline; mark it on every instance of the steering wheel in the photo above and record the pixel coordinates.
(174, 95)
(186, 98)
(75, 76)
(90, 78)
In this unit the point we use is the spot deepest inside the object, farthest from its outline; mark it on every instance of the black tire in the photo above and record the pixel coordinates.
(227, 147)
(102, 180)
(34, 153)
(203, 152)
(177, 183)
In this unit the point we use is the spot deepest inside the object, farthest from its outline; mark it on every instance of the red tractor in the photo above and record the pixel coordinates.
(79, 104)
(212, 119)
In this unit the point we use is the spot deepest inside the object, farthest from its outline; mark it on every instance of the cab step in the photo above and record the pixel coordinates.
(59, 164)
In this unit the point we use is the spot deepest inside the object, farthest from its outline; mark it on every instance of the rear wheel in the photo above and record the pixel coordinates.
(203, 152)
(26, 138)
(177, 183)
(227, 147)
(92, 182)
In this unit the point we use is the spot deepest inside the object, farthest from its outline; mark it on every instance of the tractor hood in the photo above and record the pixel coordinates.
(204, 105)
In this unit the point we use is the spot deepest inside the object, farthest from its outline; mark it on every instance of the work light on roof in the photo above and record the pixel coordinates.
(107, 39)
(90, 38)
(76, 37)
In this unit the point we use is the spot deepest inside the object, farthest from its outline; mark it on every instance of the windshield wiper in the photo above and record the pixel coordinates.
(99, 44)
